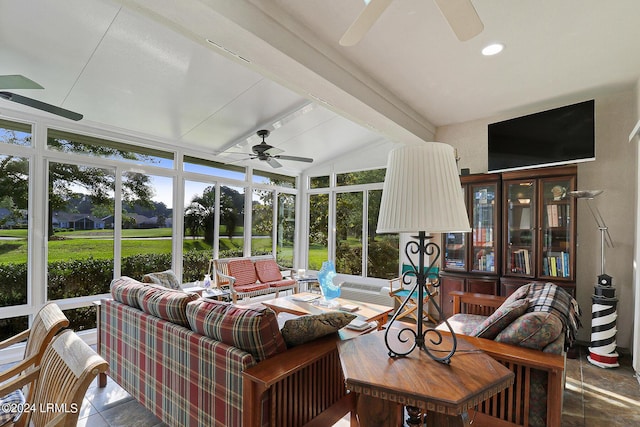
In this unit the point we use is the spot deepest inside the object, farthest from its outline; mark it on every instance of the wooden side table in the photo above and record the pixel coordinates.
(444, 392)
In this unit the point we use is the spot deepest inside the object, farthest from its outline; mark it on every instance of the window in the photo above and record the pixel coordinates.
(209, 167)
(262, 222)
(231, 221)
(349, 233)
(319, 182)
(199, 227)
(318, 230)
(147, 220)
(66, 142)
(263, 177)
(15, 133)
(360, 177)
(80, 247)
(286, 229)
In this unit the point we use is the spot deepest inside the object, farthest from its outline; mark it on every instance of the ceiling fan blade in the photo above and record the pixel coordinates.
(364, 22)
(295, 158)
(16, 81)
(273, 162)
(273, 151)
(30, 102)
(462, 17)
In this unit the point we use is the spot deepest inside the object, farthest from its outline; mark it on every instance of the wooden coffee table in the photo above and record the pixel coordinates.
(367, 312)
(444, 392)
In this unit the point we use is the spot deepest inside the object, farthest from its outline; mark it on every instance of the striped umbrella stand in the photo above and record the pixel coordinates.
(602, 352)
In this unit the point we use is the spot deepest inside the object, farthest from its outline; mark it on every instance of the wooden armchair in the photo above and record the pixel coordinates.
(58, 384)
(46, 324)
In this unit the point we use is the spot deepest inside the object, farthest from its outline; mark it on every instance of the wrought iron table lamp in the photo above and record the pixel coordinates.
(422, 193)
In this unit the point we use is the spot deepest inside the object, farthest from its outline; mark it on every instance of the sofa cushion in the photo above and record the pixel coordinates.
(166, 304)
(268, 271)
(243, 271)
(520, 293)
(253, 329)
(251, 287)
(307, 328)
(126, 290)
(533, 330)
(166, 278)
(281, 283)
(501, 318)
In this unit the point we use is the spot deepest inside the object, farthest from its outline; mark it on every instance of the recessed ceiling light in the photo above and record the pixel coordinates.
(492, 49)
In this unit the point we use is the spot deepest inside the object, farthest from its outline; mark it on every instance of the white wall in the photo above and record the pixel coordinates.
(636, 273)
(613, 171)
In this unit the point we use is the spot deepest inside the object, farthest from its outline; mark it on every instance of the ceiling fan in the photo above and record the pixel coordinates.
(269, 154)
(460, 14)
(16, 81)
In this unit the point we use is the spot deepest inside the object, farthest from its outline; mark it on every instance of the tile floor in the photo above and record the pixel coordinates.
(593, 397)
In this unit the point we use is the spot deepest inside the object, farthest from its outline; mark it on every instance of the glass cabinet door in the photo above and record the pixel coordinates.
(455, 250)
(520, 220)
(556, 227)
(484, 215)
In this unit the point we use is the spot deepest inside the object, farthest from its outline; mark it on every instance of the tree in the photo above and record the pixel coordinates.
(200, 214)
(99, 183)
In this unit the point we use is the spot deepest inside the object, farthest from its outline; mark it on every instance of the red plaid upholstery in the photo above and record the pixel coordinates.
(166, 304)
(251, 288)
(243, 271)
(184, 378)
(252, 329)
(126, 290)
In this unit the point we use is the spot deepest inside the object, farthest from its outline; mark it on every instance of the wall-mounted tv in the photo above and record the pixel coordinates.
(558, 136)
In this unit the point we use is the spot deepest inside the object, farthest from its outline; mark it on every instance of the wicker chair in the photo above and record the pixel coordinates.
(58, 385)
(46, 324)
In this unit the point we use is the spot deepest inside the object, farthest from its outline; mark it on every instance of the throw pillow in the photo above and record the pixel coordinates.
(307, 328)
(533, 330)
(10, 406)
(520, 293)
(253, 329)
(126, 290)
(166, 304)
(501, 318)
(166, 278)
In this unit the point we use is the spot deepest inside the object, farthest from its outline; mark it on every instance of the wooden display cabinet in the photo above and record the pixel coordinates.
(471, 261)
(539, 227)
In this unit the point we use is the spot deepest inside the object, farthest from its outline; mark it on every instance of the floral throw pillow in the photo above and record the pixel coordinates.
(500, 319)
(533, 330)
(307, 328)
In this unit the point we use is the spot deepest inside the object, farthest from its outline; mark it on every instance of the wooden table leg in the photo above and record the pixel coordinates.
(374, 412)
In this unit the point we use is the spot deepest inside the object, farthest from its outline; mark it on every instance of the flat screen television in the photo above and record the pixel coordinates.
(553, 137)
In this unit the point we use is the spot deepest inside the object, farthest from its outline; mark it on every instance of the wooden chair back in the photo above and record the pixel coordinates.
(46, 324)
(67, 368)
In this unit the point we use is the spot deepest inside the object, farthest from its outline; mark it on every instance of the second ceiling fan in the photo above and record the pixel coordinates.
(460, 14)
(271, 154)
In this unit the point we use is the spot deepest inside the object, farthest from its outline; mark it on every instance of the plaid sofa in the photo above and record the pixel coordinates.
(183, 357)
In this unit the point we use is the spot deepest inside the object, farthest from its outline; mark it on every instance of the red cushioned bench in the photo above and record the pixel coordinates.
(252, 276)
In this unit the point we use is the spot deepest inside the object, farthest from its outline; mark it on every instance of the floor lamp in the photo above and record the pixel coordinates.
(602, 351)
(422, 194)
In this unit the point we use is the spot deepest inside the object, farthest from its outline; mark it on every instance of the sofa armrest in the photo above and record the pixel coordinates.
(472, 303)
(297, 375)
(523, 361)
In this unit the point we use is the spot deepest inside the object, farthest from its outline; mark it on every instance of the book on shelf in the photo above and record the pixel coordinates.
(521, 261)
(556, 264)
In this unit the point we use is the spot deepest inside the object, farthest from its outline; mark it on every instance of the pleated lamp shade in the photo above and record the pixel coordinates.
(422, 191)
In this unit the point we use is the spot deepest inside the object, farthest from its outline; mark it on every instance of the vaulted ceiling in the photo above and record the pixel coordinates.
(209, 73)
